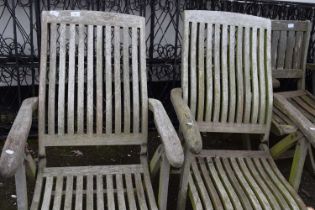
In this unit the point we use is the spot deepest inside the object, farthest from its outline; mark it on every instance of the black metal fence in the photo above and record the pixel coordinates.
(20, 37)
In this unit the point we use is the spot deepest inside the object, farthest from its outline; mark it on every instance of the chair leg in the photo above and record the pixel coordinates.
(184, 178)
(283, 145)
(163, 182)
(298, 163)
(312, 159)
(156, 161)
(21, 188)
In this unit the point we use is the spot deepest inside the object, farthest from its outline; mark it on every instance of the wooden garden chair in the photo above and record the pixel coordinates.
(227, 88)
(98, 61)
(293, 111)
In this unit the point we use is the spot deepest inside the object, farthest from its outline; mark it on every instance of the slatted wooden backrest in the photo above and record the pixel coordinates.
(92, 79)
(226, 71)
(290, 40)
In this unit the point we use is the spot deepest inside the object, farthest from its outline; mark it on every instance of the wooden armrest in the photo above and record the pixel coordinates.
(187, 123)
(307, 127)
(172, 145)
(310, 66)
(14, 148)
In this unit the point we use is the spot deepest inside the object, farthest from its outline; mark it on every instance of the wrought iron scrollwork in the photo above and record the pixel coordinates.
(20, 33)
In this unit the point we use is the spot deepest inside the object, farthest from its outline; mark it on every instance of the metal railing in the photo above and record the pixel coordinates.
(20, 37)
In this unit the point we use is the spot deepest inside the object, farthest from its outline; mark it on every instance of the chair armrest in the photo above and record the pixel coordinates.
(172, 145)
(13, 151)
(187, 122)
(307, 127)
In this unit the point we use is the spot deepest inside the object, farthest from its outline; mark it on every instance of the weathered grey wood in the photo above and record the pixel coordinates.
(126, 78)
(80, 98)
(184, 179)
(210, 186)
(117, 80)
(140, 192)
(193, 194)
(288, 191)
(298, 163)
(232, 81)
(241, 103)
(90, 81)
(103, 139)
(37, 193)
(81, 114)
(147, 184)
(172, 147)
(71, 80)
(69, 192)
(201, 74)
(58, 192)
(89, 192)
(79, 193)
(209, 76)
(257, 189)
(21, 188)
(301, 121)
(307, 36)
(254, 77)
(240, 80)
(291, 73)
(200, 185)
(231, 127)
(61, 84)
(47, 193)
(295, 25)
(100, 192)
(219, 185)
(163, 183)
(272, 185)
(217, 86)
(108, 76)
(143, 81)
(282, 49)
(12, 154)
(193, 78)
(92, 18)
(273, 202)
(246, 76)
(42, 116)
(156, 161)
(99, 79)
(224, 72)
(120, 192)
(52, 79)
(262, 90)
(274, 47)
(135, 80)
(130, 192)
(188, 125)
(110, 193)
(289, 50)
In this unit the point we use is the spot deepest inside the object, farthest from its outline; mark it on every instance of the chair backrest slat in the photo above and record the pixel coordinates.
(61, 83)
(89, 61)
(71, 79)
(232, 81)
(290, 41)
(226, 70)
